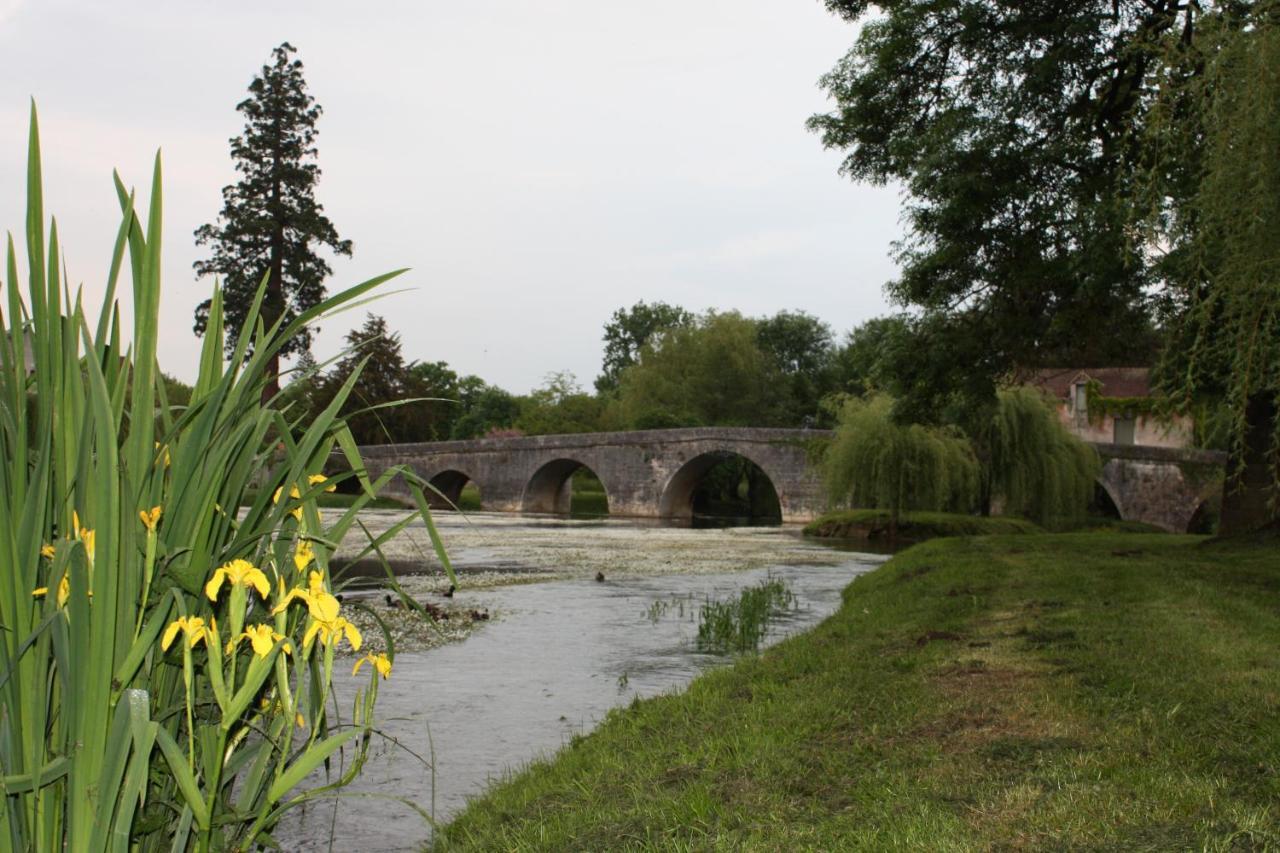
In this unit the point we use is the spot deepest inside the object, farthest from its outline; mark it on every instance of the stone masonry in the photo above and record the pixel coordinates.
(653, 473)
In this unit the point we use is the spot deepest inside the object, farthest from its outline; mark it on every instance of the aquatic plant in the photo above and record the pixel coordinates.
(739, 624)
(166, 663)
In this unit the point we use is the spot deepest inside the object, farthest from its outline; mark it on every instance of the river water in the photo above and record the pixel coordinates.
(556, 658)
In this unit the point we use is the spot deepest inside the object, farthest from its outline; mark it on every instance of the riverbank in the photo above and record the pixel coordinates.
(1064, 691)
(873, 525)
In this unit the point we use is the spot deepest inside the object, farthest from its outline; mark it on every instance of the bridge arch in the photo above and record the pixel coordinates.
(1112, 494)
(448, 486)
(550, 489)
(677, 498)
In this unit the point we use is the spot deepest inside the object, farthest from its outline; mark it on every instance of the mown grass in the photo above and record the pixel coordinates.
(913, 526)
(1066, 691)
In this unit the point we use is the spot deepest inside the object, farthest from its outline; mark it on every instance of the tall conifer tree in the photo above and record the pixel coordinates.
(270, 222)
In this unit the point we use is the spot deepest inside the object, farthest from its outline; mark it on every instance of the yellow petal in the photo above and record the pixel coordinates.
(353, 635)
(259, 582)
(324, 607)
(303, 555)
(169, 634)
(47, 551)
(215, 582)
(360, 663)
(40, 592)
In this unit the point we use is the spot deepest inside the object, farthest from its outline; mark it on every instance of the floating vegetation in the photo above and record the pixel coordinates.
(738, 625)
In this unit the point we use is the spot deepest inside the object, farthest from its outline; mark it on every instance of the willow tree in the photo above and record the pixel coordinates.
(1211, 203)
(877, 463)
(1032, 465)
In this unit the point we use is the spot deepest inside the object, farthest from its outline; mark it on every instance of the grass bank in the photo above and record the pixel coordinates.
(913, 526)
(1095, 691)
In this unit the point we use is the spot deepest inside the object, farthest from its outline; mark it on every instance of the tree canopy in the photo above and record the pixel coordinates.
(1009, 125)
(270, 221)
(626, 333)
(709, 373)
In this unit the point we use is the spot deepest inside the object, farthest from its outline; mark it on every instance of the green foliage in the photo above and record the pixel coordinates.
(384, 403)
(560, 407)
(627, 333)
(915, 526)
(1211, 199)
(270, 219)
(864, 362)
(712, 373)
(875, 462)
(739, 624)
(1033, 465)
(113, 736)
(1008, 126)
(485, 409)
(801, 347)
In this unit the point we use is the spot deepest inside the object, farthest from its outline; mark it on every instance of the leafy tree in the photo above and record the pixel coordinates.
(877, 463)
(1031, 464)
(560, 407)
(435, 417)
(712, 373)
(270, 222)
(384, 379)
(863, 363)
(1010, 126)
(628, 332)
(1210, 199)
(485, 409)
(801, 347)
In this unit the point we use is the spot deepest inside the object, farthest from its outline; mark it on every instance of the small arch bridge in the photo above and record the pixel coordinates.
(654, 473)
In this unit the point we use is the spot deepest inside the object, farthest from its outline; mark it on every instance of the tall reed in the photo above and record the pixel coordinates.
(166, 664)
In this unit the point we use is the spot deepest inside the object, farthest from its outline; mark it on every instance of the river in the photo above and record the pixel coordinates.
(556, 657)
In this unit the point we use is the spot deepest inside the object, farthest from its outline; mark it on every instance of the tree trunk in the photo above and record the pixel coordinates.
(273, 301)
(1247, 502)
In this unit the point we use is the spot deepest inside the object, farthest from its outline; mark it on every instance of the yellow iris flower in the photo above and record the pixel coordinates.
(321, 478)
(47, 552)
(262, 637)
(379, 661)
(85, 535)
(64, 591)
(150, 517)
(332, 631)
(303, 555)
(193, 627)
(296, 512)
(238, 572)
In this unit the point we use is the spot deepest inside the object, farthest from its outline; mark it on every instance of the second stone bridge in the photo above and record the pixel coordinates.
(654, 473)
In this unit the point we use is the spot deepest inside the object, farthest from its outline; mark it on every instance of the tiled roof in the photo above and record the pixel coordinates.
(1112, 381)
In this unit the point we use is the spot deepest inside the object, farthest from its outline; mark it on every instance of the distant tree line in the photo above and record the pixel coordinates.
(663, 367)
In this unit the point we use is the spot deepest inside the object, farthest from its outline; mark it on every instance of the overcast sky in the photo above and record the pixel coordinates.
(537, 163)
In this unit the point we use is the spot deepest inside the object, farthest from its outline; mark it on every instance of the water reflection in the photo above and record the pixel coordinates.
(563, 654)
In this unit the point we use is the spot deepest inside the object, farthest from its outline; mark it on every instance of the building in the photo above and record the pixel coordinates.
(1111, 405)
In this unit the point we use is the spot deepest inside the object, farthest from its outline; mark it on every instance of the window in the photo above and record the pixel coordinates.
(1124, 431)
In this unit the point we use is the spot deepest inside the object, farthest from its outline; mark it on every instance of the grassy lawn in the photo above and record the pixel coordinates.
(1071, 691)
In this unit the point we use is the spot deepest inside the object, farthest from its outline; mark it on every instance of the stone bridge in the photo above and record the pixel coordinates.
(1165, 486)
(653, 473)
